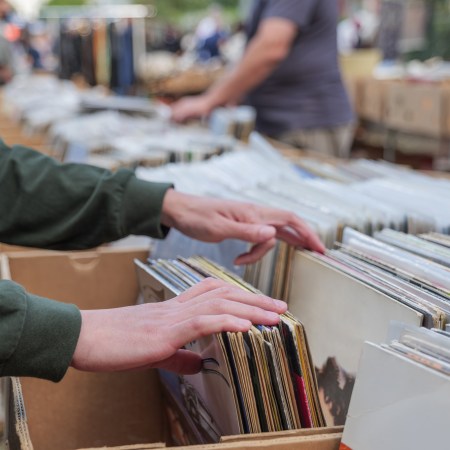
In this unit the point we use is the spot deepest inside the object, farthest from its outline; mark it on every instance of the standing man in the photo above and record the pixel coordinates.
(290, 74)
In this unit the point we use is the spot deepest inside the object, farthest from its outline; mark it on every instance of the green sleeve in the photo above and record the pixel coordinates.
(73, 206)
(37, 336)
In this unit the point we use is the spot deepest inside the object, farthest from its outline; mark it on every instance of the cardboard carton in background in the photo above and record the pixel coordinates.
(373, 99)
(96, 410)
(415, 108)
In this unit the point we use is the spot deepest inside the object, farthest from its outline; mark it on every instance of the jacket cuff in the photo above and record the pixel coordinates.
(142, 207)
(48, 340)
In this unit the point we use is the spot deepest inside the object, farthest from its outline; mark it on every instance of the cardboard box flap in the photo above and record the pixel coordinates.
(283, 434)
(319, 442)
(86, 409)
(103, 278)
(155, 446)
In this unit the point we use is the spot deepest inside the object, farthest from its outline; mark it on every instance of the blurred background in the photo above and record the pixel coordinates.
(167, 49)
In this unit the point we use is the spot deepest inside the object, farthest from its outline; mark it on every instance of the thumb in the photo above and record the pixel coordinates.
(254, 233)
(183, 362)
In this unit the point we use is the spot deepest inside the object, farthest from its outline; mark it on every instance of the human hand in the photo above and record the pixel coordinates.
(214, 220)
(191, 108)
(152, 335)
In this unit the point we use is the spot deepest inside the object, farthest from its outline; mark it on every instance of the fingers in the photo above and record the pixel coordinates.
(206, 285)
(190, 108)
(291, 229)
(201, 326)
(307, 239)
(260, 224)
(249, 232)
(227, 296)
(255, 253)
(236, 309)
(310, 239)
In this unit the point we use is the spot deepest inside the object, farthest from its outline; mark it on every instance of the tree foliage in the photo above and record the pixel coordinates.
(173, 10)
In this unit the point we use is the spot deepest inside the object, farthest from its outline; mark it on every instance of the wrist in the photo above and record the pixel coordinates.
(213, 99)
(169, 208)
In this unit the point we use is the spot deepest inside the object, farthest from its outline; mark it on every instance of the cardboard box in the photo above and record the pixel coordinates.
(95, 410)
(6, 248)
(373, 101)
(360, 63)
(354, 86)
(419, 108)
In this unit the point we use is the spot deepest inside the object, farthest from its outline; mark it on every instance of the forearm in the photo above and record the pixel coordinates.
(37, 336)
(72, 206)
(256, 65)
(265, 51)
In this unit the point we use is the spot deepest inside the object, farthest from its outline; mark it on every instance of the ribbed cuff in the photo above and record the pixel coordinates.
(142, 208)
(48, 341)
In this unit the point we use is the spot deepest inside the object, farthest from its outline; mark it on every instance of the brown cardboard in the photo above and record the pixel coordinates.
(157, 445)
(445, 91)
(354, 85)
(319, 442)
(286, 434)
(89, 409)
(97, 410)
(6, 248)
(373, 99)
(419, 108)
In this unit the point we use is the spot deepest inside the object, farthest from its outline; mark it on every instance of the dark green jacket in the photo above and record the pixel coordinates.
(67, 207)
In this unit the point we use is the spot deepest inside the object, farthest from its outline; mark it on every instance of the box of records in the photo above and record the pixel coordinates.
(130, 410)
(259, 381)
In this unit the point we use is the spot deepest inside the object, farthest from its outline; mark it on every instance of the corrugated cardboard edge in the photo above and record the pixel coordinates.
(17, 435)
(155, 446)
(283, 434)
(318, 442)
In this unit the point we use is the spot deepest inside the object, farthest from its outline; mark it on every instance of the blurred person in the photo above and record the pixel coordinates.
(6, 10)
(360, 28)
(37, 45)
(172, 40)
(290, 74)
(6, 55)
(73, 206)
(210, 34)
(6, 59)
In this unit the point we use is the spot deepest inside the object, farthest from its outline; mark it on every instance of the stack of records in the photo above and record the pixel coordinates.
(402, 393)
(354, 292)
(262, 380)
(367, 196)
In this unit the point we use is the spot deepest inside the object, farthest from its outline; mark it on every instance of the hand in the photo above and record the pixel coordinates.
(152, 335)
(191, 108)
(214, 220)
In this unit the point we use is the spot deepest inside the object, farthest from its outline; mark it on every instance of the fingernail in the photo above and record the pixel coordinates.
(266, 232)
(280, 304)
(272, 316)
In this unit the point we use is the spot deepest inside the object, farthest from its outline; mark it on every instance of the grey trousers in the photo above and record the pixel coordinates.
(336, 141)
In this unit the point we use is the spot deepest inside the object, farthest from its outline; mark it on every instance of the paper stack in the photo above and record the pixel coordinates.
(262, 380)
(402, 393)
(351, 294)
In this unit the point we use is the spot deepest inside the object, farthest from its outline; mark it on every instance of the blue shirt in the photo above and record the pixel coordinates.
(306, 89)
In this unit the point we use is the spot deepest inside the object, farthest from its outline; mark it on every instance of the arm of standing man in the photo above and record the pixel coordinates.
(271, 45)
